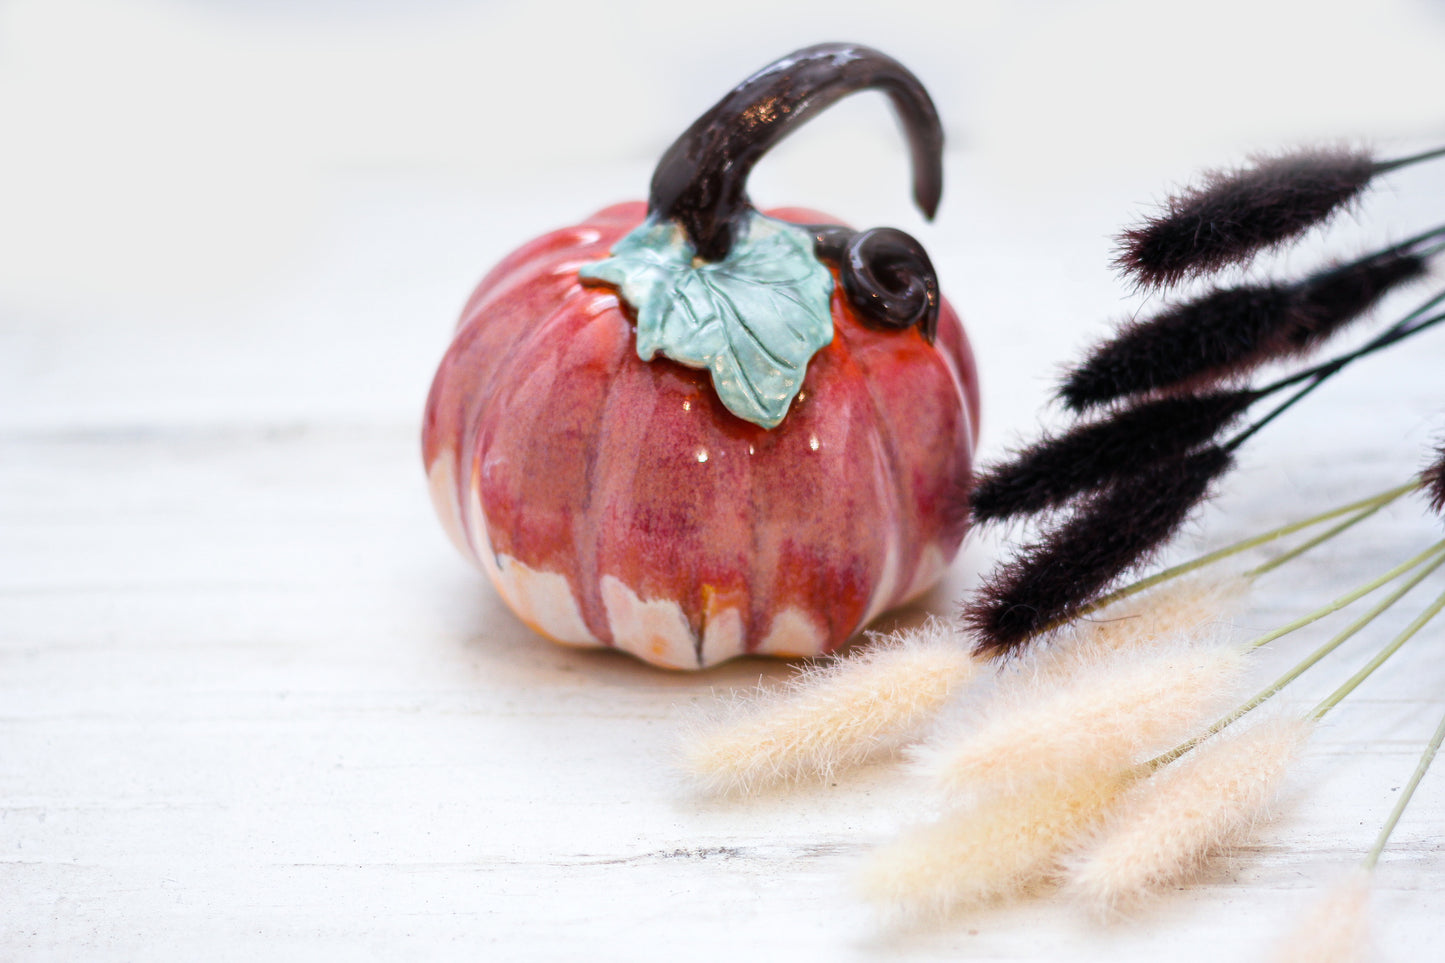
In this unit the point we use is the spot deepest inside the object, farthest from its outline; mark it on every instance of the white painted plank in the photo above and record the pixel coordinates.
(253, 705)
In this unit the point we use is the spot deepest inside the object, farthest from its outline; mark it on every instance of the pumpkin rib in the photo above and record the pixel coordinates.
(537, 258)
(960, 359)
(471, 369)
(644, 519)
(478, 431)
(886, 491)
(954, 512)
(911, 534)
(550, 398)
(826, 549)
(594, 611)
(950, 437)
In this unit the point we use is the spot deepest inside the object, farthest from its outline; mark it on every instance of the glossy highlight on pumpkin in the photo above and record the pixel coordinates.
(616, 502)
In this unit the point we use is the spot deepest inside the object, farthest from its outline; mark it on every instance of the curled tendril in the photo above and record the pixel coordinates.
(886, 275)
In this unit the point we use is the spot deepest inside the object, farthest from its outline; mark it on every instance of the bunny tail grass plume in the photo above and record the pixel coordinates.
(1186, 605)
(1189, 607)
(1048, 582)
(1053, 471)
(1166, 826)
(1336, 929)
(1332, 299)
(1102, 718)
(996, 847)
(1224, 333)
(1233, 215)
(1230, 332)
(1434, 479)
(834, 715)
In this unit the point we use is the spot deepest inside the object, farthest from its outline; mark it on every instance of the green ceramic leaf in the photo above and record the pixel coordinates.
(753, 319)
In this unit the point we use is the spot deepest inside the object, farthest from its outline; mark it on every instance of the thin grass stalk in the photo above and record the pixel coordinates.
(1350, 597)
(1244, 545)
(1315, 542)
(1354, 681)
(1426, 758)
(1409, 325)
(1278, 685)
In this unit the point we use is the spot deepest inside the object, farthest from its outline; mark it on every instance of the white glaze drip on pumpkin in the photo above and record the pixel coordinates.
(442, 482)
(722, 638)
(544, 600)
(931, 566)
(655, 630)
(885, 596)
(793, 634)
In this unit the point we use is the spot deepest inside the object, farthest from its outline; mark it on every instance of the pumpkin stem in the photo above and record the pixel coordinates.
(701, 181)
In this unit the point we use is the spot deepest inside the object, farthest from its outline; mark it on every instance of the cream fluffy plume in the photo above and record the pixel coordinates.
(996, 847)
(1167, 825)
(1336, 929)
(1107, 715)
(834, 715)
(1134, 680)
(1183, 605)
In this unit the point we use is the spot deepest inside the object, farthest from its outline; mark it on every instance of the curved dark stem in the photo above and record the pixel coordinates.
(1398, 331)
(1384, 167)
(701, 180)
(1315, 376)
(886, 274)
(1233, 444)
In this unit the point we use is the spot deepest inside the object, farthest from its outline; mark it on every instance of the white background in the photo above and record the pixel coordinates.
(250, 701)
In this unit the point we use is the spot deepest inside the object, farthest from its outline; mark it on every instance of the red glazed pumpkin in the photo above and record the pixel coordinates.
(616, 501)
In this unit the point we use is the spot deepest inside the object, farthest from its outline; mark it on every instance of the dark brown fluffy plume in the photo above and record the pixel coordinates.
(1332, 299)
(1054, 471)
(1048, 582)
(1231, 331)
(1233, 215)
(1434, 479)
(1186, 345)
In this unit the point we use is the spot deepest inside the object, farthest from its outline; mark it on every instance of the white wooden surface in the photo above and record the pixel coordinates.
(253, 705)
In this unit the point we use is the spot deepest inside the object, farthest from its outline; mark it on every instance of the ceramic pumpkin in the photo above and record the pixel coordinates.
(692, 431)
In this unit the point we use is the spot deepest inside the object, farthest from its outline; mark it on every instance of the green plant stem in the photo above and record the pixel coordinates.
(1184, 568)
(1275, 687)
(1350, 597)
(1353, 682)
(1426, 758)
(1319, 539)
